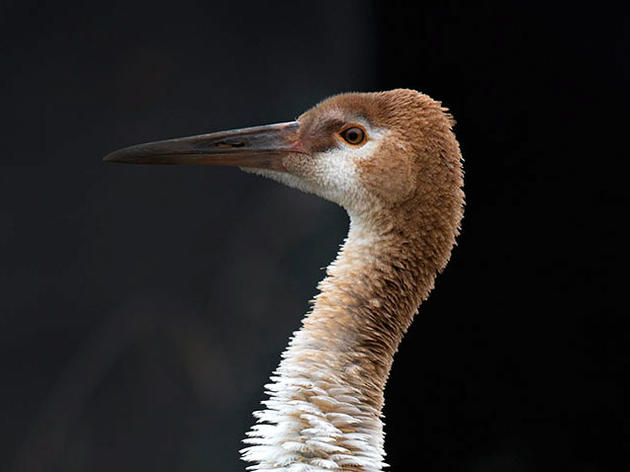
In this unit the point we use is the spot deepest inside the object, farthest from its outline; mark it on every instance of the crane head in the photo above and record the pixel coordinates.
(364, 151)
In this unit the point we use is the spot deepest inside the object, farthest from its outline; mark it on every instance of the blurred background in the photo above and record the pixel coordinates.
(143, 308)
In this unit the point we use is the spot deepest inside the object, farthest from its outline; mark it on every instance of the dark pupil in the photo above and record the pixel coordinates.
(353, 135)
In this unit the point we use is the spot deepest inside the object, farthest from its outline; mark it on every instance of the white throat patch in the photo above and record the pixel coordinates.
(331, 174)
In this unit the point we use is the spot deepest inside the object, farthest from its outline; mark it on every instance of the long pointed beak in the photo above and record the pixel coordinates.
(260, 146)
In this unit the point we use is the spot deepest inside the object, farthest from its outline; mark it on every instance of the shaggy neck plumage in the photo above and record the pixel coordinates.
(327, 394)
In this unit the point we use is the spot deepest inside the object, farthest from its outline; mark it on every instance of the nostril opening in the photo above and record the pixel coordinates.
(225, 145)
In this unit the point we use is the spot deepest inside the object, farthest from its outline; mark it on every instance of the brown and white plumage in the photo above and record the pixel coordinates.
(402, 188)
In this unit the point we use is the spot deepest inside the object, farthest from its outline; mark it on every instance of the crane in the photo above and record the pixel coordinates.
(392, 161)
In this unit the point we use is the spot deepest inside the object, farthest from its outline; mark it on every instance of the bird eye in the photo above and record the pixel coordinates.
(353, 135)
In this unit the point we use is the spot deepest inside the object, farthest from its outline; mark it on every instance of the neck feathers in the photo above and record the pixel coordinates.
(324, 410)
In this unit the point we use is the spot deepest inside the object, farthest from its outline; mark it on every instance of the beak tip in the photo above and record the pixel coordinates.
(119, 156)
(111, 157)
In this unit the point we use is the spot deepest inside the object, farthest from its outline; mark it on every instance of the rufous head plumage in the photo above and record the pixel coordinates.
(373, 153)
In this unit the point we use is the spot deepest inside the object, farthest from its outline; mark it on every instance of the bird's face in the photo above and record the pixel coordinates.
(340, 149)
(361, 151)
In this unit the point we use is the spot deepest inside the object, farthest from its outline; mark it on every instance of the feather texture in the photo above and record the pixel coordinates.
(405, 204)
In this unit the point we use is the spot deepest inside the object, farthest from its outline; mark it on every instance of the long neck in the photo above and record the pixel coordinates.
(326, 396)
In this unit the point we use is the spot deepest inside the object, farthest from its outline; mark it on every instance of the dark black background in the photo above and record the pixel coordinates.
(142, 308)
